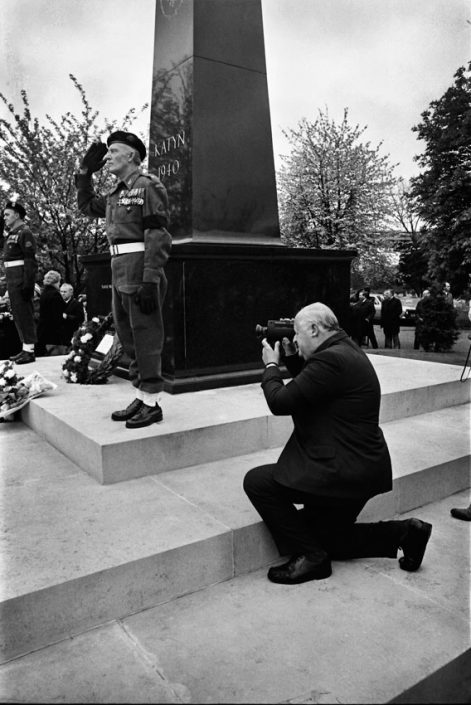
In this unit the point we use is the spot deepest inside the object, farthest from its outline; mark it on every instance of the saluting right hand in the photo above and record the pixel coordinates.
(93, 159)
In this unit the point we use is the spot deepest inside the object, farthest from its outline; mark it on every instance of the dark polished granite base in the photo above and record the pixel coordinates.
(217, 294)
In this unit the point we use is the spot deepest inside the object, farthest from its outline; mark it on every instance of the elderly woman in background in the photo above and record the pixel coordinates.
(51, 308)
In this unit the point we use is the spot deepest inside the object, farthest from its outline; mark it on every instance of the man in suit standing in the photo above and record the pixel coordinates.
(335, 460)
(73, 315)
(391, 311)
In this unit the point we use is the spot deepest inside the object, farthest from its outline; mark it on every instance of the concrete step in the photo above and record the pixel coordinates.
(366, 635)
(204, 426)
(75, 554)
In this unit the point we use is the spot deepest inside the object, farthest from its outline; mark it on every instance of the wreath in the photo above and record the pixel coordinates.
(75, 368)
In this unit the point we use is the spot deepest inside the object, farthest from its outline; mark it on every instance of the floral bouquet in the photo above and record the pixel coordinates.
(75, 368)
(16, 391)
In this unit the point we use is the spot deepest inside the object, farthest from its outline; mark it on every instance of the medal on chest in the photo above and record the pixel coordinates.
(133, 197)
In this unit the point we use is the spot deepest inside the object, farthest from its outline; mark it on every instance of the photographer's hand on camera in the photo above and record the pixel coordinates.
(288, 347)
(270, 355)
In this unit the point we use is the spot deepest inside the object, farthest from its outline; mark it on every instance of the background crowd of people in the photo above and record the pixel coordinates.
(57, 314)
(435, 319)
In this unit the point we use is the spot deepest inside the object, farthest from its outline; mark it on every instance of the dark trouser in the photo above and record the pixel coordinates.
(370, 334)
(324, 528)
(391, 339)
(142, 338)
(418, 339)
(22, 311)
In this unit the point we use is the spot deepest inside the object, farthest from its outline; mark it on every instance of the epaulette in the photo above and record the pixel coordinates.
(153, 179)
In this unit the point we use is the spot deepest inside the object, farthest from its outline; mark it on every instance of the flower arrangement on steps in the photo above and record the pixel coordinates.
(76, 366)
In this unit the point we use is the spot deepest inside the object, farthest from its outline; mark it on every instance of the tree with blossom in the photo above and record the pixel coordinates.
(37, 165)
(335, 191)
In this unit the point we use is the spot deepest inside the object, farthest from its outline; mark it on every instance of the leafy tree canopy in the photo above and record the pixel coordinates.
(335, 189)
(442, 192)
(37, 165)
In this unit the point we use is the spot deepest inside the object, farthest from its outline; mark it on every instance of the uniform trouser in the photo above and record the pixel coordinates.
(142, 338)
(325, 527)
(23, 313)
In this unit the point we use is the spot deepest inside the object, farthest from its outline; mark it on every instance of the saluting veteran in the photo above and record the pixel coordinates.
(19, 259)
(136, 211)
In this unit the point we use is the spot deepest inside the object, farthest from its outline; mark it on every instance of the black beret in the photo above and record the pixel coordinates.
(15, 206)
(129, 139)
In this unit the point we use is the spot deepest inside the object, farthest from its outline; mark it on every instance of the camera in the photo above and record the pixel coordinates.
(276, 330)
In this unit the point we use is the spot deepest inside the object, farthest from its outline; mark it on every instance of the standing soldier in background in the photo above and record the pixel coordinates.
(19, 259)
(136, 211)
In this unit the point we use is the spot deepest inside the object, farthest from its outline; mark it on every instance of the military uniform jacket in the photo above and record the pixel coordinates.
(21, 245)
(337, 448)
(136, 210)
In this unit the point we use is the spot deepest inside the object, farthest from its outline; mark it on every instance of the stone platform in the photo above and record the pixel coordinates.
(208, 425)
(76, 553)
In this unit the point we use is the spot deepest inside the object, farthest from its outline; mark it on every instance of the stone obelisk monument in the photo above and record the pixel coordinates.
(211, 144)
(210, 137)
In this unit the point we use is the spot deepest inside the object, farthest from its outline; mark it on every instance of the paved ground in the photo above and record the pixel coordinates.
(364, 636)
(456, 356)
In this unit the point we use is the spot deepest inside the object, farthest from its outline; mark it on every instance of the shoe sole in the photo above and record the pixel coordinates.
(406, 564)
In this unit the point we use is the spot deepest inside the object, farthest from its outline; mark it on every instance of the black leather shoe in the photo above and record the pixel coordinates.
(145, 416)
(23, 358)
(414, 542)
(464, 514)
(300, 569)
(130, 410)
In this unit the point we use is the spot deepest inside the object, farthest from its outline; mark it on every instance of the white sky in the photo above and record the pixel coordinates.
(383, 59)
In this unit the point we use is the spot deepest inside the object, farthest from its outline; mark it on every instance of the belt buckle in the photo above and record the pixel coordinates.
(114, 250)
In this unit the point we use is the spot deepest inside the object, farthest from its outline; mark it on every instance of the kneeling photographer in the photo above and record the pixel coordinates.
(335, 460)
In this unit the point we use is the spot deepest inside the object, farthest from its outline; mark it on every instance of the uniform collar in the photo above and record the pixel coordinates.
(128, 182)
(16, 227)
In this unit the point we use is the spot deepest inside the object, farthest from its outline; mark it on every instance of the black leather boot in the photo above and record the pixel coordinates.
(464, 514)
(414, 543)
(23, 358)
(145, 416)
(130, 410)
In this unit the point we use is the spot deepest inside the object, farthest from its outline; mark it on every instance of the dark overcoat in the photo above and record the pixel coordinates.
(75, 318)
(51, 308)
(391, 310)
(337, 448)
